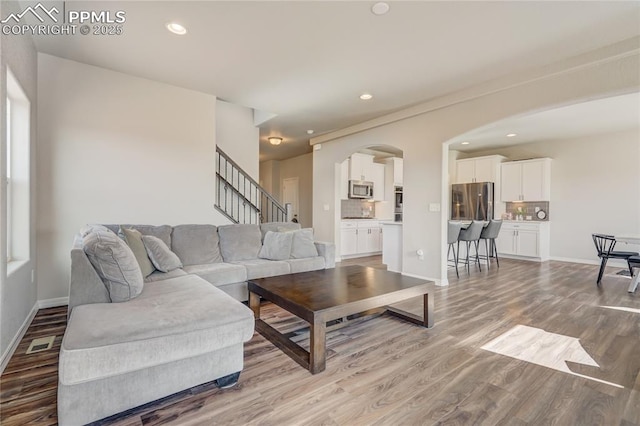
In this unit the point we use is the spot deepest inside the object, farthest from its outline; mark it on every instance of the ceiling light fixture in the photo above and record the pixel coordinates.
(380, 8)
(510, 135)
(465, 143)
(309, 132)
(275, 141)
(176, 28)
(366, 96)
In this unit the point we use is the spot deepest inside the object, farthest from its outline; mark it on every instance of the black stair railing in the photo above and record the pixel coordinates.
(242, 199)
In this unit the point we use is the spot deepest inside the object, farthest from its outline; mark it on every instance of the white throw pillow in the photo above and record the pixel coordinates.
(302, 245)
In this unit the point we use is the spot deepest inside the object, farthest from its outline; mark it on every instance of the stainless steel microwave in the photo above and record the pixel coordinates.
(360, 189)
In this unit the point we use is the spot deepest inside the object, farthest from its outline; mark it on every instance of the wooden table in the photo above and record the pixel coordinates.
(323, 296)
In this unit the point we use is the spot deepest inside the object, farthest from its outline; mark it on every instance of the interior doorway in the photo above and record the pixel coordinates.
(290, 188)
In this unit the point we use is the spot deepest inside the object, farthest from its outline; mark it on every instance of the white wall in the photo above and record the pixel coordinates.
(273, 172)
(18, 291)
(237, 136)
(302, 168)
(113, 148)
(595, 188)
(422, 131)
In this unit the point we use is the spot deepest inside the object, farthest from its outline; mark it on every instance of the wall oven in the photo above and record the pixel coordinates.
(398, 204)
(360, 189)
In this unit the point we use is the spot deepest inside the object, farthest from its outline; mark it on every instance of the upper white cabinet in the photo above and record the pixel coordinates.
(398, 171)
(527, 180)
(360, 166)
(377, 177)
(479, 169)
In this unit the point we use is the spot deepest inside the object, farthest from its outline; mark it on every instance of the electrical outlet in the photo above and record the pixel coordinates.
(434, 207)
(326, 207)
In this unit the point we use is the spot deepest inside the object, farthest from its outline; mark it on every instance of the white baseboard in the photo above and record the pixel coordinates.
(53, 303)
(6, 356)
(437, 281)
(612, 262)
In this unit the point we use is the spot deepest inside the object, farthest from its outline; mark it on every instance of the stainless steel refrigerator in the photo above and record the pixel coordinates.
(472, 201)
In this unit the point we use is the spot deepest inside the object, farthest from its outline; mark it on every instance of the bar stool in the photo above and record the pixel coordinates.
(452, 237)
(489, 235)
(471, 235)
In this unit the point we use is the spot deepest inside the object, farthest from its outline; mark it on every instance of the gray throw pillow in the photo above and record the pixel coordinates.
(196, 244)
(239, 242)
(302, 245)
(133, 239)
(277, 246)
(115, 264)
(161, 256)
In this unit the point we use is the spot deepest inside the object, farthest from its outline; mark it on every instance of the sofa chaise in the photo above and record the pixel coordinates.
(184, 325)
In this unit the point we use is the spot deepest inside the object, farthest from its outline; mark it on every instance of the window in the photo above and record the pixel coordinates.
(17, 171)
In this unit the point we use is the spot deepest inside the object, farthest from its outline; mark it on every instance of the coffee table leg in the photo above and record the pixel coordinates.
(317, 346)
(254, 304)
(428, 307)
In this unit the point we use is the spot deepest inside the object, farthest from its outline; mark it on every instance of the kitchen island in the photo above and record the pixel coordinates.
(392, 245)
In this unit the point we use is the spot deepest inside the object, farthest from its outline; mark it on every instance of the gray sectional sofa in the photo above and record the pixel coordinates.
(182, 327)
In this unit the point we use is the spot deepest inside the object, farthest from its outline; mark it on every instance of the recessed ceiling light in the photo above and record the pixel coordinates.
(366, 96)
(176, 28)
(510, 135)
(275, 141)
(309, 132)
(380, 8)
(465, 143)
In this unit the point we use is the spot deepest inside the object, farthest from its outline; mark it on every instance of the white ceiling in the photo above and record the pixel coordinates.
(308, 61)
(574, 121)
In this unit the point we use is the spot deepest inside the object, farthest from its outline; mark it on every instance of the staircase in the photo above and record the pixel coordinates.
(240, 198)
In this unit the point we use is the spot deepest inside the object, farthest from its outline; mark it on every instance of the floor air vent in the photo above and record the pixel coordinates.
(41, 344)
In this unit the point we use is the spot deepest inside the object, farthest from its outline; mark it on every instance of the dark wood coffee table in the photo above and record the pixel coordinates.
(322, 296)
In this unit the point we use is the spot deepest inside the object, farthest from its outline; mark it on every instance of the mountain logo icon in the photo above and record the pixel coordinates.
(39, 11)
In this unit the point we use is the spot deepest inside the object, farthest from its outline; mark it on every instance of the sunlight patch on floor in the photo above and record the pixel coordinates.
(623, 308)
(543, 348)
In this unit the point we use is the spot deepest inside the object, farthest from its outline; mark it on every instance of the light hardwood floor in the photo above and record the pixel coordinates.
(388, 372)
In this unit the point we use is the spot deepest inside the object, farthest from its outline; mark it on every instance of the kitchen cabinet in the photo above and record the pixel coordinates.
(360, 238)
(528, 180)
(360, 166)
(398, 171)
(479, 169)
(349, 241)
(377, 177)
(524, 240)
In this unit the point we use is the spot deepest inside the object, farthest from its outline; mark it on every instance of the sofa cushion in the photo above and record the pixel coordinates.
(306, 264)
(161, 256)
(115, 264)
(196, 244)
(303, 245)
(219, 273)
(87, 229)
(161, 231)
(239, 242)
(262, 268)
(171, 320)
(133, 239)
(159, 275)
(278, 227)
(276, 246)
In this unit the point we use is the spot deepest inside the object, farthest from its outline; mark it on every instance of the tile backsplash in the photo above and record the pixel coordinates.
(528, 208)
(357, 208)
